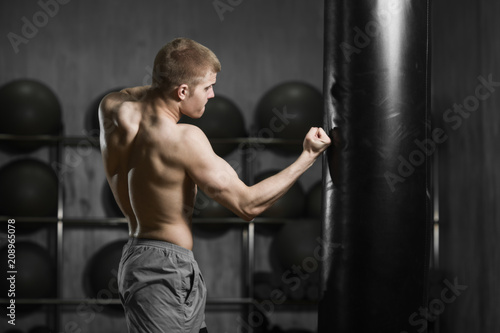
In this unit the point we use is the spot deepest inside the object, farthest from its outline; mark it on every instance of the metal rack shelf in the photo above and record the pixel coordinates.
(94, 140)
(96, 221)
(114, 301)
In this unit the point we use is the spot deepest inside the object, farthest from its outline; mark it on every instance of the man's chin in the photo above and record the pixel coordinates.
(196, 115)
(201, 113)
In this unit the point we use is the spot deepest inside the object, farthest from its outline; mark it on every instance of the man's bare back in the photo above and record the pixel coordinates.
(153, 164)
(142, 146)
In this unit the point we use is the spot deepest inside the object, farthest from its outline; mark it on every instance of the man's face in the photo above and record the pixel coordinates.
(198, 98)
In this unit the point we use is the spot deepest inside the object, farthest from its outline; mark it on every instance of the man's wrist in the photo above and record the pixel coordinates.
(308, 157)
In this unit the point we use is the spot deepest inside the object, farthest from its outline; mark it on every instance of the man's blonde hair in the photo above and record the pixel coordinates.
(183, 61)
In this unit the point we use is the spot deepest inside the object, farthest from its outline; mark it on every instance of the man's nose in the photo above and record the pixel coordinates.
(211, 94)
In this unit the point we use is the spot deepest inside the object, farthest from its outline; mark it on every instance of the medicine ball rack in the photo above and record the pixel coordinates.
(56, 145)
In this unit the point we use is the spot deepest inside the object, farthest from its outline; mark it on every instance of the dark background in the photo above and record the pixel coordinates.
(89, 47)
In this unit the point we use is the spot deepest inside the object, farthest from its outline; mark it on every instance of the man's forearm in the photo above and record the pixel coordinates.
(265, 193)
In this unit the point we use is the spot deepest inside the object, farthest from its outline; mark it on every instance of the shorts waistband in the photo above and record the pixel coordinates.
(134, 241)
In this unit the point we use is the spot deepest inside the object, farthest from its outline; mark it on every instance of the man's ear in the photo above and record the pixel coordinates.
(183, 91)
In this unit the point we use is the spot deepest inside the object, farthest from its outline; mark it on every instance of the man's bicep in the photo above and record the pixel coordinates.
(216, 177)
(210, 172)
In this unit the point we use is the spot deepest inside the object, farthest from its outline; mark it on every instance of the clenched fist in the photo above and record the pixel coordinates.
(316, 141)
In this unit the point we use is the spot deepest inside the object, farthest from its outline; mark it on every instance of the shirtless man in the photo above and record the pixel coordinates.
(154, 165)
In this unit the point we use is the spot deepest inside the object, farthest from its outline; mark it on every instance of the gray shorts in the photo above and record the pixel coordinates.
(161, 288)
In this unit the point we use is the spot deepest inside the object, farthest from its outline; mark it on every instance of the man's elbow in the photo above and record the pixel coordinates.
(247, 217)
(249, 213)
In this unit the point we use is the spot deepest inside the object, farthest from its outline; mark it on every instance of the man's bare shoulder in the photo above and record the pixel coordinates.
(112, 101)
(192, 134)
(189, 129)
(119, 109)
(193, 141)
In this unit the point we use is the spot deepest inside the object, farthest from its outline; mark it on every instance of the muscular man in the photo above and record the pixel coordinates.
(154, 165)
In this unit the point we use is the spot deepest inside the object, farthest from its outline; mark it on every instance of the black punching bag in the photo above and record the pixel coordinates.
(376, 221)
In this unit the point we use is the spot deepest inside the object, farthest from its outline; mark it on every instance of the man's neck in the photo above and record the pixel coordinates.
(164, 104)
